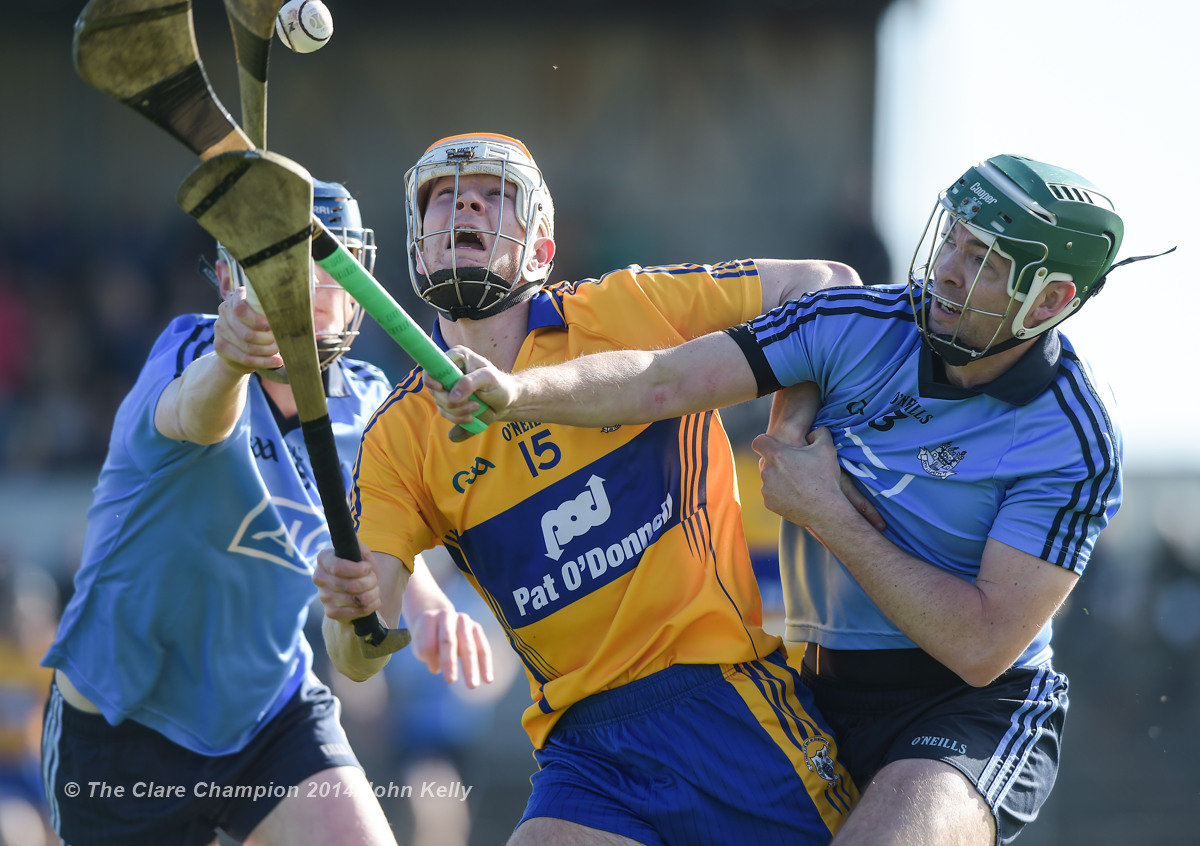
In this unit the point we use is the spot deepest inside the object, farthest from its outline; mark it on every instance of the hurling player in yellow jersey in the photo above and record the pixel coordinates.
(614, 558)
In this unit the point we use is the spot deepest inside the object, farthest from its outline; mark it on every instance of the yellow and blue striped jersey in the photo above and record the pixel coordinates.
(607, 554)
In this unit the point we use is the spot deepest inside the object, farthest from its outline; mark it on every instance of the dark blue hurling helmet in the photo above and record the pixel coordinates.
(334, 206)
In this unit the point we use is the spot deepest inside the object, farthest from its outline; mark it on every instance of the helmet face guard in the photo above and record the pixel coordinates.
(1048, 223)
(339, 211)
(481, 290)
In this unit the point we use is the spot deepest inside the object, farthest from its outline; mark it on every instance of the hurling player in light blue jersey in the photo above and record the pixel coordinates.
(184, 700)
(989, 455)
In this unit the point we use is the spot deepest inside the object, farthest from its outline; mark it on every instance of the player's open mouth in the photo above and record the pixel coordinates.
(947, 306)
(467, 239)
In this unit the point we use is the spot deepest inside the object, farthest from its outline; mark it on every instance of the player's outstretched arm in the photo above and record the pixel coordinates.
(604, 389)
(632, 386)
(205, 401)
(352, 589)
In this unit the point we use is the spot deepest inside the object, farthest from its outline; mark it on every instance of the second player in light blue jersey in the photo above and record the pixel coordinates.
(988, 452)
(184, 700)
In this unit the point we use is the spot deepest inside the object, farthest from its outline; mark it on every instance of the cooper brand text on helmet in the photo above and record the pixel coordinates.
(978, 191)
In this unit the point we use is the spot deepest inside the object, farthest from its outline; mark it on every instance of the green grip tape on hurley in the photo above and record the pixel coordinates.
(339, 263)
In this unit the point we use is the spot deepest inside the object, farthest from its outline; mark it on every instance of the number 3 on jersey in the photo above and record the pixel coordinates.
(540, 452)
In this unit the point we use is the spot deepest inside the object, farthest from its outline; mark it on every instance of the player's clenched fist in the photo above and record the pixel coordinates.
(243, 338)
(480, 378)
(347, 589)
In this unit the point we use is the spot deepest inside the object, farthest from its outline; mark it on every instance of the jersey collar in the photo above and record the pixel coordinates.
(542, 314)
(334, 377)
(336, 385)
(1021, 384)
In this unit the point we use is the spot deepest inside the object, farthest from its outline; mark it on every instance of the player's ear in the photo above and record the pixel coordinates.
(1054, 298)
(543, 253)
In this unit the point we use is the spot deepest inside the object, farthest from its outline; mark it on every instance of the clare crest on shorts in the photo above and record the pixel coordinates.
(818, 758)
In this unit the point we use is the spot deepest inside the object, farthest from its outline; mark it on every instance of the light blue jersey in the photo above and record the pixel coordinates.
(196, 577)
(1032, 459)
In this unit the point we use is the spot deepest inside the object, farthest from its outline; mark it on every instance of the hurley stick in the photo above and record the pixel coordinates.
(144, 54)
(253, 25)
(259, 206)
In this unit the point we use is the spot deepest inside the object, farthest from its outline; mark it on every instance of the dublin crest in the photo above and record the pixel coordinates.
(941, 460)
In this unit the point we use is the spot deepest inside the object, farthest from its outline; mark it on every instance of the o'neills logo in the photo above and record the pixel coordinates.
(979, 192)
(940, 742)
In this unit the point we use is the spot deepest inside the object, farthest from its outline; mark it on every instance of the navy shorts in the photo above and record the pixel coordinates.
(697, 755)
(1003, 737)
(116, 785)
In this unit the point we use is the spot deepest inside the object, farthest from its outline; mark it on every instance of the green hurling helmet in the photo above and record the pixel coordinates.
(1050, 223)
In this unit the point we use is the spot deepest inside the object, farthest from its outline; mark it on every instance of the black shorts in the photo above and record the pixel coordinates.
(116, 785)
(1004, 737)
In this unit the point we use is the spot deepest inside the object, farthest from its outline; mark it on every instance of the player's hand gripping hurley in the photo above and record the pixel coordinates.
(259, 206)
(144, 54)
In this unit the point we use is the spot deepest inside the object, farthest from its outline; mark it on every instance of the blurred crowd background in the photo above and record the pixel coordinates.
(722, 133)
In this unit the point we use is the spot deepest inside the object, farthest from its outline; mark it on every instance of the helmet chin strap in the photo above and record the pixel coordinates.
(471, 277)
(956, 356)
(515, 296)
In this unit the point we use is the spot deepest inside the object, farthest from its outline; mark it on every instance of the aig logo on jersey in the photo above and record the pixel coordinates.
(282, 532)
(942, 460)
(467, 477)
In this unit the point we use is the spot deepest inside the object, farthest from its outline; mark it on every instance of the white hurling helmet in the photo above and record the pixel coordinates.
(477, 291)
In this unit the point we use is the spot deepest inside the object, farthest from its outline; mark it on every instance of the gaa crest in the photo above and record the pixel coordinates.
(941, 460)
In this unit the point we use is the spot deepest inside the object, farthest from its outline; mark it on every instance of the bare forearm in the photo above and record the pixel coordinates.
(423, 593)
(948, 617)
(204, 403)
(630, 386)
(793, 411)
(976, 628)
(602, 389)
(347, 590)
